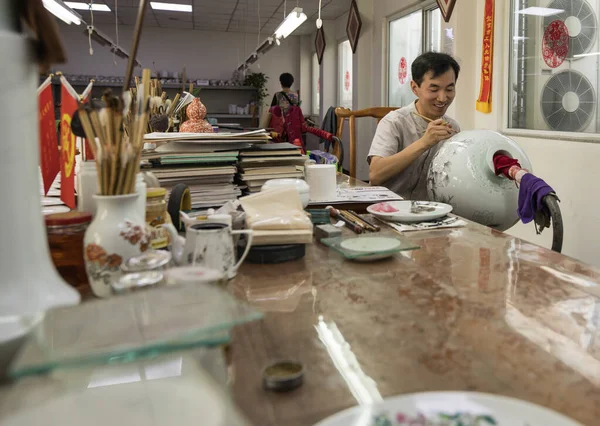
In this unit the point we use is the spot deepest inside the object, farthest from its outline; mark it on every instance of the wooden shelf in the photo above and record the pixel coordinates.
(165, 86)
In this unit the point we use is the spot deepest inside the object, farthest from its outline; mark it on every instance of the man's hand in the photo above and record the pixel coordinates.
(437, 131)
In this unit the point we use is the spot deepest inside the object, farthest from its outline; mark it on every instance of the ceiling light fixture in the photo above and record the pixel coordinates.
(265, 46)
(252, 59)
(86, 6)
(173, 7)
(291, 23)
(540, 11)
(119, 52)
(62, 12)
(99, 37)
(319, 20)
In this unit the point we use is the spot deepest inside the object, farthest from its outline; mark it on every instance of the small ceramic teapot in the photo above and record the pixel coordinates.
(209, 245)
(196, 112)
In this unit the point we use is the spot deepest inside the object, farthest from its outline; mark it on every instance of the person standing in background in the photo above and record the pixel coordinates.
(286, 97)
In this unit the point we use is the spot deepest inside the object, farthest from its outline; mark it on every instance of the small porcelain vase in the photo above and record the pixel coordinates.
(116, 234)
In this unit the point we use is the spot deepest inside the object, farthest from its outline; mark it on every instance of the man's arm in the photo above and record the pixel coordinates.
(382, 169)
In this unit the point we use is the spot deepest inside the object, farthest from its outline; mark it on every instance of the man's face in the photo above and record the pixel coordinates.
(435, 94)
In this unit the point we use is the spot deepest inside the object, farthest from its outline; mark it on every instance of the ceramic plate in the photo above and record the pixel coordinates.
(409, 211)
(449, 409)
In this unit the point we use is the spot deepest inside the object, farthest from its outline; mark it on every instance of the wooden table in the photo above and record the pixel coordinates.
(472, 310)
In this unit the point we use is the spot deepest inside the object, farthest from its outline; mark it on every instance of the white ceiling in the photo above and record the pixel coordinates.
(221, 15)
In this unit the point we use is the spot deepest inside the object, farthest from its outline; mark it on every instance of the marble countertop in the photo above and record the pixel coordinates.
(472, 310)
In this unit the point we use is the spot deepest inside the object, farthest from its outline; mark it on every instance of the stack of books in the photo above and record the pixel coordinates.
(205, 162)
(273, 161)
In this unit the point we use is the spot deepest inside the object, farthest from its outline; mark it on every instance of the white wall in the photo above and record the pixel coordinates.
(206, 55)
(570, 167)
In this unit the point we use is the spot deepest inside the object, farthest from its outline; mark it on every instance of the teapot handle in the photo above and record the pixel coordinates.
(250, 234)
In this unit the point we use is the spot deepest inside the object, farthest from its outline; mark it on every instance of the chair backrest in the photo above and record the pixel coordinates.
(344, 113)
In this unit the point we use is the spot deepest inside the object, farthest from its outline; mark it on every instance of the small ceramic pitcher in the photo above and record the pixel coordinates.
(209, 245)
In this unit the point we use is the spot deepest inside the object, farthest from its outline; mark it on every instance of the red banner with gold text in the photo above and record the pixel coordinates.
(49, 156)
(484, 102)
(67, 144)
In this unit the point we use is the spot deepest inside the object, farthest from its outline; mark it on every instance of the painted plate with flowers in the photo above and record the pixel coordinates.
(449, 409)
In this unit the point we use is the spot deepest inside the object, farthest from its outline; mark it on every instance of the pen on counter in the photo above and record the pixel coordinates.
(369, 225)
(334, 213)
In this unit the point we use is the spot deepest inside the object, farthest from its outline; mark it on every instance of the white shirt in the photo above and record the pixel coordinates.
(396, 131)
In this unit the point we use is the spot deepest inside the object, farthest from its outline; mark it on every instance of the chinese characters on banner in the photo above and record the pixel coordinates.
(49, 157)
(484, 102)
(67, 143)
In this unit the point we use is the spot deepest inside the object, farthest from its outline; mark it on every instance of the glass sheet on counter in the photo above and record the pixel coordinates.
(132, 327)
(369, 247)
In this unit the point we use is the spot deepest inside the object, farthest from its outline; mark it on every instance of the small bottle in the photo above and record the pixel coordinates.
(140, 189)
(87, 187)
(298, 143)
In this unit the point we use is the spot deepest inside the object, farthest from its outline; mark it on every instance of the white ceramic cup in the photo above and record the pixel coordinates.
(321, 179)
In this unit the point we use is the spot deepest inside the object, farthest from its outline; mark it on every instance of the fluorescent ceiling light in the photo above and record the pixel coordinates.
(290, 23)
(266, 46)
(540, 11)
(252, 59)
(581, 55)
(98, 36)
(86, 6)
(62, 11)
(174, 7)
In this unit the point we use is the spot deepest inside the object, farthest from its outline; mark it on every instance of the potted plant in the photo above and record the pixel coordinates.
(258, 80)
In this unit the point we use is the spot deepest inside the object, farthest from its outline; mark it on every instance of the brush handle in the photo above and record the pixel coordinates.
(137, 34)
(353, 227)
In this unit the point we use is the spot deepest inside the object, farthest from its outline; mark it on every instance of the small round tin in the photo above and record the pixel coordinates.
(137, 281)
(153, 260)
(283, 376)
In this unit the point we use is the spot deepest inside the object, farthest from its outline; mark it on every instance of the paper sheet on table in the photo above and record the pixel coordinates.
(277, 209)
(424, 226)
(362, 195)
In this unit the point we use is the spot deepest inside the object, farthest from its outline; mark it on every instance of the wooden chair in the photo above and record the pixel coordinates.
(344, 113)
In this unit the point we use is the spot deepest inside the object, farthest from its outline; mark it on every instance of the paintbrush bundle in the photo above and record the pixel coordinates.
(117, 143)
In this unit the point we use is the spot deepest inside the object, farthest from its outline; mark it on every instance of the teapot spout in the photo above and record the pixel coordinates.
(177, 243)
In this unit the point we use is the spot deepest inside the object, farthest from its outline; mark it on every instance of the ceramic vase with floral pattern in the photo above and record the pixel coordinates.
(117, 233)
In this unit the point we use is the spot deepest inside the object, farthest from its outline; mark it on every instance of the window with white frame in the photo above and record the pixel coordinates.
(345, 74)
(316, 85)
(434, 30)
(554, 65)
(407, 36)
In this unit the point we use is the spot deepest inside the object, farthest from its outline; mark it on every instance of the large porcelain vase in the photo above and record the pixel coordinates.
(462, 174)
(29, 283)
(116, 234)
